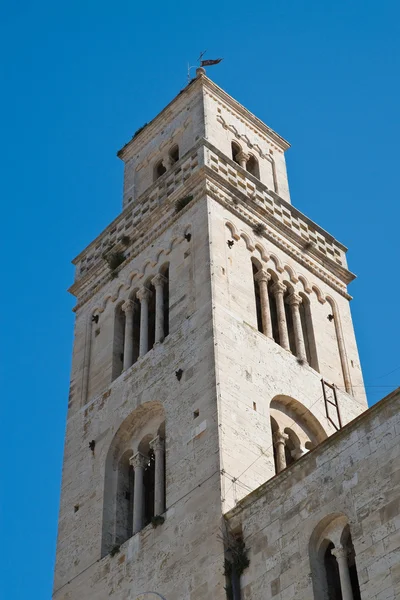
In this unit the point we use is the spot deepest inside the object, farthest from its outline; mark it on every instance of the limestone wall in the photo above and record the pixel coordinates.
(161, 559)
(356, 474)
(252, 370)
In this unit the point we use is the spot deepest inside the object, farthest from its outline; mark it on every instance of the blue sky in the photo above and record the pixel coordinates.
(78, 79)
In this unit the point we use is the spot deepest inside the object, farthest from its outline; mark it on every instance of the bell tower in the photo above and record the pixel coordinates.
(213, 347)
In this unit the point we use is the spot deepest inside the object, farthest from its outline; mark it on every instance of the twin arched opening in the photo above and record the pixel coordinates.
(333, 560)
(162, 165)
(246, 161)
(295, 431)
(134, 485)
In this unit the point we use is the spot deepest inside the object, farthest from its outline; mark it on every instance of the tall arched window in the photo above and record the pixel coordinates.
(257, 297)
(165, 273)
(333, 563)
(134, 487)
(236, 150)
(253, 167)
(308, 331)
(289, 320)
(118, 342)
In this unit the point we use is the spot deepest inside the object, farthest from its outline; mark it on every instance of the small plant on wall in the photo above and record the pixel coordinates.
(114, 260)
(157, 520)
(114, 550)
(259, 229)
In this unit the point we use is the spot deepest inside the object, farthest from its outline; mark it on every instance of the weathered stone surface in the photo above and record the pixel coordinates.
(216, 380)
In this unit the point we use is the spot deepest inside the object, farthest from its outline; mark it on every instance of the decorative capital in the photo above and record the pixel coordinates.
(294, 299)
(279, 288)
(242, 157)
(138, 460)
(263, 275)
(280, 438)
(158, 280)
(340, 552)
(143, 294)
(157, 444)
(128, 306)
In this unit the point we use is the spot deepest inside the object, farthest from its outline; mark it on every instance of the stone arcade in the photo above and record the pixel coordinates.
(218, 440)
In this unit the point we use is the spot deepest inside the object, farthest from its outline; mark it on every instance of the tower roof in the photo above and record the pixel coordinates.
(199, 82)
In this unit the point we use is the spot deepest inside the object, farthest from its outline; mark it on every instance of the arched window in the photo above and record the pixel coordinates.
(174, 154)
(289, 320)
(257, 297)
(295, 430)
(151, 320)
(308, 332)
(236, 150)
(118, 342)
(253, 167)
(159, 169)
(332, 557)
(165, 273)
(134, 487)
(274, 314)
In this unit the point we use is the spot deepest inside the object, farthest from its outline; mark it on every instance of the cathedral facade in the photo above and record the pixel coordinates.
(218, 441)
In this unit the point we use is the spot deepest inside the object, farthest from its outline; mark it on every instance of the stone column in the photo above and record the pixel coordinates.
(279, 289)
(345, 583)
(294, 301)
(279, 440)
(138, 462)
(157, 444)
(263, 277)
(143, 294)
(158, 281)
(242, 158)
(128, 308)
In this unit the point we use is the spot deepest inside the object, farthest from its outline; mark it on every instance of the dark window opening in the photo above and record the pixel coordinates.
(274, 314)
(159, 170)
(118, 343)
(235, 152)
(151, 322)
(289, 323)
(288, 456)
(253, 167)
(166, 301)
(136, 329)
(174, 154)
(308, 333)
(332, 574)
(257, 298)
(125, 489)
(149, 483)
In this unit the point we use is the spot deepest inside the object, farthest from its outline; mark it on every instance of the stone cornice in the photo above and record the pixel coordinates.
(99, 274)
(276, 197)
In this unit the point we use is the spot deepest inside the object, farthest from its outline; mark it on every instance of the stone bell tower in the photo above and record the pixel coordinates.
(213, 347)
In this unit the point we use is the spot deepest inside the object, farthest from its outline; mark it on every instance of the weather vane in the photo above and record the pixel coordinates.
(203, 63)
